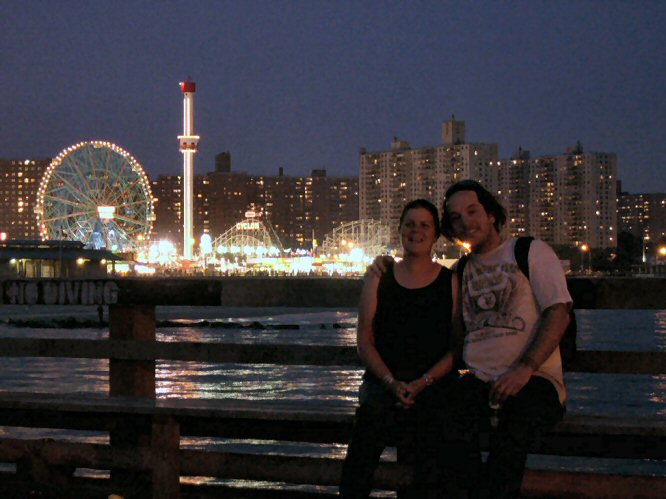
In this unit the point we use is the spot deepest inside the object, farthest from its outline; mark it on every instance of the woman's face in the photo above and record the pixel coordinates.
(417, 231)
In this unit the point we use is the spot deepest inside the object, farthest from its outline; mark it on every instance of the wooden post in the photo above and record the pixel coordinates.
(405, 456)
(130, 378)
(165, 459)
(133, 378)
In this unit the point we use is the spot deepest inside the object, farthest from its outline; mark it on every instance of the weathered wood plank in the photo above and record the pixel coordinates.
(617, 362)
(311, 422)
(304, 470)
(577, 485)
(165, 443)
(537, 484)
(59, 453)
(324, 355)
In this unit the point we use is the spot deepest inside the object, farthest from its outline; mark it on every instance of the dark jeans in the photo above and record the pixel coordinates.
(522, 420)
(416, 432)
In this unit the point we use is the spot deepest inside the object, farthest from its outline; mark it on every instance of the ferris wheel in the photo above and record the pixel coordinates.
(96, 193)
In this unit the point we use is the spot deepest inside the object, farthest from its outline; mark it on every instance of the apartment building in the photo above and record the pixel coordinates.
(19, 182)
(573, 198)
(389, 179)
(302, 210)
(643, 216)
(567, 199)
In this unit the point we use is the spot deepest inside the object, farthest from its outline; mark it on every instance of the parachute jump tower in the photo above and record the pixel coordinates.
(188, 144)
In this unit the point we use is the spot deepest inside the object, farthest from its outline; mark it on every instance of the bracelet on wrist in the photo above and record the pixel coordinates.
(387, 380)
(429, 380)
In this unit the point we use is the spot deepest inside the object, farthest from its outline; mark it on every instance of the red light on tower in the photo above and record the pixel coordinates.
(188, 87)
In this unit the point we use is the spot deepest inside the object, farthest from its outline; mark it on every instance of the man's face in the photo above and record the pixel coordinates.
(471, 223)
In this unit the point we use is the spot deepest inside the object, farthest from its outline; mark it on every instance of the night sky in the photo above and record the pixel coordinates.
(305, 84)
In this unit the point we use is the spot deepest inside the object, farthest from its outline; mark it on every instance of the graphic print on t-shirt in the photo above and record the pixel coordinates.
(491, 290)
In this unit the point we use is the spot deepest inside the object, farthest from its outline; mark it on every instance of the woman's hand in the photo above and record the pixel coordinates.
(400, 391)
(415, 387)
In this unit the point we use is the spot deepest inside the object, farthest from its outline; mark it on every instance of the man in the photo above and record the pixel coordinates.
(513, 325)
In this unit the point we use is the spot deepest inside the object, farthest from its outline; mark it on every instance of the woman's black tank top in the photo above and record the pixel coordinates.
(412, 327)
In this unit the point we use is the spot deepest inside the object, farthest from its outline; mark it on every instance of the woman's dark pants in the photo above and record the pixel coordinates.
(416, 433)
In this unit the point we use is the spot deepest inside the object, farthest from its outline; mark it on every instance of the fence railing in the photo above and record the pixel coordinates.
(144, 456)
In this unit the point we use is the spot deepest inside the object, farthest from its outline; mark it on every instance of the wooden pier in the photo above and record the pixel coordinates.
(143, 456)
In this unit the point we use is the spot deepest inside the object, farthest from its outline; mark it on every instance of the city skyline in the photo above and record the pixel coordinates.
(305, 85)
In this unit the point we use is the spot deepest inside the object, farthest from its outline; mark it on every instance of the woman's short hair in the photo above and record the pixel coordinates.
(427, 205)
(486, 199)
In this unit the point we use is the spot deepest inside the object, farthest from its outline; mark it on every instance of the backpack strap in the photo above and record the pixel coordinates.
(521, 252)
(460, 267)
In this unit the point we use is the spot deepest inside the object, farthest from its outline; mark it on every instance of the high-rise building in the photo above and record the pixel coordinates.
(19, 182)
(644, 216)
(168, 205)
(513, 191)
(329, 202)
(383, 183)
(389, 179)
(573, 199)
(303, 210)
(567, 199)
(300, 209)
(228, 197)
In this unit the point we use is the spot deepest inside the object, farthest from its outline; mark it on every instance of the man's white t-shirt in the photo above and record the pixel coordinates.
(502, 309)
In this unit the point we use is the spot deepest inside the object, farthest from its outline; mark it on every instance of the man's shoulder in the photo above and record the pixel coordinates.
(542, 247)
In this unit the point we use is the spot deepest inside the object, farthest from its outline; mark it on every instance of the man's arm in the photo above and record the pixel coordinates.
(554, 321)
(378, 266)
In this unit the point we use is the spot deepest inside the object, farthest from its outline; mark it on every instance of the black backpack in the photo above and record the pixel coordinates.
(521, 253)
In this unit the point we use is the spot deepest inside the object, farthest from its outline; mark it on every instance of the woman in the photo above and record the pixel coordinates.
(404, 340)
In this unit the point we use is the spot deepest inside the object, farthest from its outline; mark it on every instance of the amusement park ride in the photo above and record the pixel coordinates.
(189, 144)
(97, 193)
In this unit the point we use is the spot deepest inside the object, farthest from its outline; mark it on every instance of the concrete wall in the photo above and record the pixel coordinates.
(623, 293)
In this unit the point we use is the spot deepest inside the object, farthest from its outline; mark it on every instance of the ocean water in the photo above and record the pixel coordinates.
(614, 395)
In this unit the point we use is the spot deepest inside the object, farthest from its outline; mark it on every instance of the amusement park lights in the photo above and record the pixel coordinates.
(106, 212)
(82, 186)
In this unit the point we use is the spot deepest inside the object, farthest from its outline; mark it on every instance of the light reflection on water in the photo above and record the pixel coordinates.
(625, 395)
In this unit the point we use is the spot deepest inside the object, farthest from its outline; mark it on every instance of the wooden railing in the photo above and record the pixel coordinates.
(144, 455)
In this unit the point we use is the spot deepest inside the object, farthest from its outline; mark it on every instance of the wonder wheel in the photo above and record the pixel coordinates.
(96, 193)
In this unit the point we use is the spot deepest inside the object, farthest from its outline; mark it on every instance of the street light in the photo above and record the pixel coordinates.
(661, 253)
(584, 248)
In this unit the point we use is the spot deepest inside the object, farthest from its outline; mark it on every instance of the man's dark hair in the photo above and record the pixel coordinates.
(427, 205)
(487, 200)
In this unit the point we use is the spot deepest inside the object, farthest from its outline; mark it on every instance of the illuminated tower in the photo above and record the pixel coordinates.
(188, 143)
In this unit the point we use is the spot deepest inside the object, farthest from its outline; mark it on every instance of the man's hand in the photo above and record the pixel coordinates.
(378, 266)
(511, 382)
